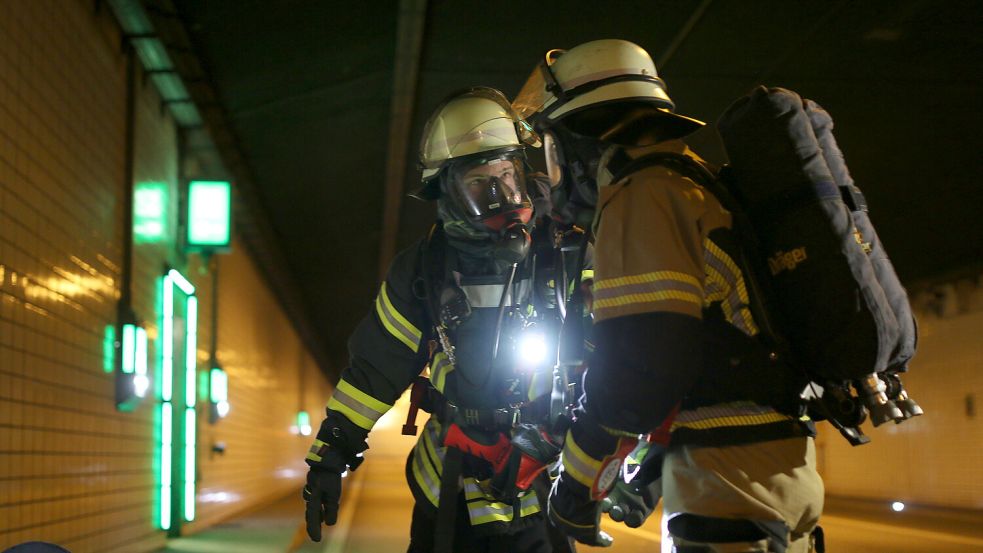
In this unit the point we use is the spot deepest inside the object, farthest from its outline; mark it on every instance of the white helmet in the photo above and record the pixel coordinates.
(606, 89)
(476, 122)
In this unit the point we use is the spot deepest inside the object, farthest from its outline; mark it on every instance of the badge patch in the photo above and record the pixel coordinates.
(606, 477)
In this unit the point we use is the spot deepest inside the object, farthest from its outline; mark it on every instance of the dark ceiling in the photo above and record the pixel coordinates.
(307, 87)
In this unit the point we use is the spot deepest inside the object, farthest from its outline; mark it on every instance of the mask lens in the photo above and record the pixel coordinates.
(491, 188)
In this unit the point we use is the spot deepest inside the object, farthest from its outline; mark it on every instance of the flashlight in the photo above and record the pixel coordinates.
(532, 348)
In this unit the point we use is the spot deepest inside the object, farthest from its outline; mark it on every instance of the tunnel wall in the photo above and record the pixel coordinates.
(74, 469)
(935, 459)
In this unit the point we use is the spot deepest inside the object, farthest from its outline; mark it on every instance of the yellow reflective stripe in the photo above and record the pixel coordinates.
(734, 420)
(529, 505)
(431, 449)
(650, 297)
(312, 453)
(360, 408)
(732, 285)
(618, 433)
(359, 419)
(421, 481)
(540, 384)
(586, 274)
(395, 322)
(441, 368)
(643, 278)
(364, 398)
(581, 466)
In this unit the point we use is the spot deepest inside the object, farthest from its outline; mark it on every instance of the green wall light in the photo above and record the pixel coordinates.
(209, 215)
(303, 423)
(218, 393)
(149, 212)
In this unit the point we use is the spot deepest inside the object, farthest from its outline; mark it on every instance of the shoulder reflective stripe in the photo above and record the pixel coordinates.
(581, 466)
(312, 454)
(361, 408)
(395, 323)
(441, 368)
(731, 289)
(647, 277)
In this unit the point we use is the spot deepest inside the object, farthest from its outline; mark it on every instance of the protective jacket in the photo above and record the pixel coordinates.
(673, 323)
(472, 392)
(678, 275)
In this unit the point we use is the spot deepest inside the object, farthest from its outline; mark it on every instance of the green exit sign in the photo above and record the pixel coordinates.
(209, 215)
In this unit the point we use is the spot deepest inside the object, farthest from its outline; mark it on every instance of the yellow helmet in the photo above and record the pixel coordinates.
(606, 89)
(476, 122)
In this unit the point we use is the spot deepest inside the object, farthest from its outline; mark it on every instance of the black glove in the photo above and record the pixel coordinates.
(572, 511)
(336, 449)
(633, 501)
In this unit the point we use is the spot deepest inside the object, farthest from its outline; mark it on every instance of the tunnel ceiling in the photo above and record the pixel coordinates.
(307, 87)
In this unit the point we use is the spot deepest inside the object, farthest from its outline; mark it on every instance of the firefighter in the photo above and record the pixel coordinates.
(676, 341)
(460, 301)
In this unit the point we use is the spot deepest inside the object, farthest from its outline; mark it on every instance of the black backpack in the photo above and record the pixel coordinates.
(831, 290)
(824, 292)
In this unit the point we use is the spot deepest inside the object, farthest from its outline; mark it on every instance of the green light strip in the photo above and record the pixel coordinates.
(167, 341)
(108, 348)
(191, 353)
(181, 282)
(129, 347)
(141, 383)
(171, 280)
(189, 464)
(166, 439)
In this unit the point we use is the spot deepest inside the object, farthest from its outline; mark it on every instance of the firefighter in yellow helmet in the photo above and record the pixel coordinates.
(676, 351)
(460, 302)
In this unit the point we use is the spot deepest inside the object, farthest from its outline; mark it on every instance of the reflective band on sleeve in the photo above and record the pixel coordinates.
(313, 454)
(648, 288)
(581, 466)
(440, 368)
(396, 323)
(360, 408)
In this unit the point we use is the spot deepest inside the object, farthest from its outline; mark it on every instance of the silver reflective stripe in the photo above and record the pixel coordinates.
(645, 288)
(489, 295)
(572, 461)
(424, 474)
(736, 409)
(348, 401)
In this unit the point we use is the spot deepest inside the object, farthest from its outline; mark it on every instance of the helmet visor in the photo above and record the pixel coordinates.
(540, 88)
(489, 187)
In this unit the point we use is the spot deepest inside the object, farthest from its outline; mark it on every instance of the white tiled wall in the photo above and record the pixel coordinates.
(936, 459)
(74, 470)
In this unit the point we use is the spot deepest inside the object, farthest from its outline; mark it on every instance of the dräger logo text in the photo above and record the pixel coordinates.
(786, 261)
